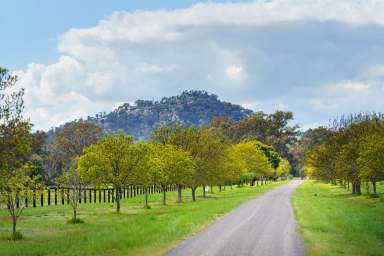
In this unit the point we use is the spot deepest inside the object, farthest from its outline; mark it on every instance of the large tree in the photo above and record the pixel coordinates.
(168, 165)
(113, 161)
(253, 160)
(206, 147)
(271, 129)
(69, 143)
(17, 179)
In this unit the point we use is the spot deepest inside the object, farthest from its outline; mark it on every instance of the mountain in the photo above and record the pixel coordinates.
(189, 108)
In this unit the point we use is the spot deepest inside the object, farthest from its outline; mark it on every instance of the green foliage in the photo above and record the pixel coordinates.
(273, 130)
(169, 164)
(17, 173)
(351, 153)
(250, 159)
(113, 161)
(68, 144)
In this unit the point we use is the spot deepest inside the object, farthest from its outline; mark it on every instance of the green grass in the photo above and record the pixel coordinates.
(135, 231)
(334, 222)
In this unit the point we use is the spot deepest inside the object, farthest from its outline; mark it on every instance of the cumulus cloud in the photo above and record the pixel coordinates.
(307, 56)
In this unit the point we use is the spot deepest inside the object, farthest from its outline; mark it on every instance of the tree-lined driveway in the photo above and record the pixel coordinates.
(262, 226)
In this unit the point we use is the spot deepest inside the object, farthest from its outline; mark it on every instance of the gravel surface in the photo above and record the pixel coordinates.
(262, 226)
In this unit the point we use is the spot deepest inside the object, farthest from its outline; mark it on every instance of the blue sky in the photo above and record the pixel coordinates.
(319, 59)
(33, 27)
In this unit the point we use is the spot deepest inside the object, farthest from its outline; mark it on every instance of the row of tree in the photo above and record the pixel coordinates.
(351, 152)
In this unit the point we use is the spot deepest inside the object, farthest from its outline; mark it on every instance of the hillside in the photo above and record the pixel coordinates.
(189, 108)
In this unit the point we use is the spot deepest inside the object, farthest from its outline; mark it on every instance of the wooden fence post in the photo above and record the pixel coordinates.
(34, 199)
(55, 196)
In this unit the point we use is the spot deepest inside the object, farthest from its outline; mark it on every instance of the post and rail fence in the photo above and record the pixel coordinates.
(57, 196)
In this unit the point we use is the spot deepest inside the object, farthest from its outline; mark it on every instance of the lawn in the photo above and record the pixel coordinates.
(135, 231)
(334, 222)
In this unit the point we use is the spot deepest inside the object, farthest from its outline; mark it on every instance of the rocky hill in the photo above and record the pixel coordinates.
(190, 108)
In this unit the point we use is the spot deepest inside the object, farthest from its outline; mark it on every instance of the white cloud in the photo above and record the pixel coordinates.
(348, 97)
(234, 72)
(150, 54)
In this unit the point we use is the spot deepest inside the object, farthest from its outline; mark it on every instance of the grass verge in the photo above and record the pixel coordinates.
(334, 222)
(135, 231)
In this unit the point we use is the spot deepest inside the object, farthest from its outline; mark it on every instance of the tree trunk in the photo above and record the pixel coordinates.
(193, 194)
(220, 188)
(117, 199)
(203, 190)
(164, 194)
(374, 187)
(358, 188)
(179, 199)
(211, 189)
(74, 215)
(14, 222)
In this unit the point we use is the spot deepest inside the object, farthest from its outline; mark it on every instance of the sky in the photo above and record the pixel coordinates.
(319, 59)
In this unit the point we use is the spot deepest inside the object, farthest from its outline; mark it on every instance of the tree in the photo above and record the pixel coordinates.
(308, 140)
(272, 129)
(69, 143)
(371, 158)
(233, 165)
(113, 161)
(16, 175)
(350, 153)
(71, 184)
(15, 188)
(283, 169)
(252, 159)
(206, 146)
(39, 143)
(168, 165)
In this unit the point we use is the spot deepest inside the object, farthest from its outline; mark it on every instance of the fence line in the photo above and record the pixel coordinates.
(56, 196)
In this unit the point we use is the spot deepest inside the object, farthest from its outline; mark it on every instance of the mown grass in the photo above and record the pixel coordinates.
(134, 231)
(334, 222)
